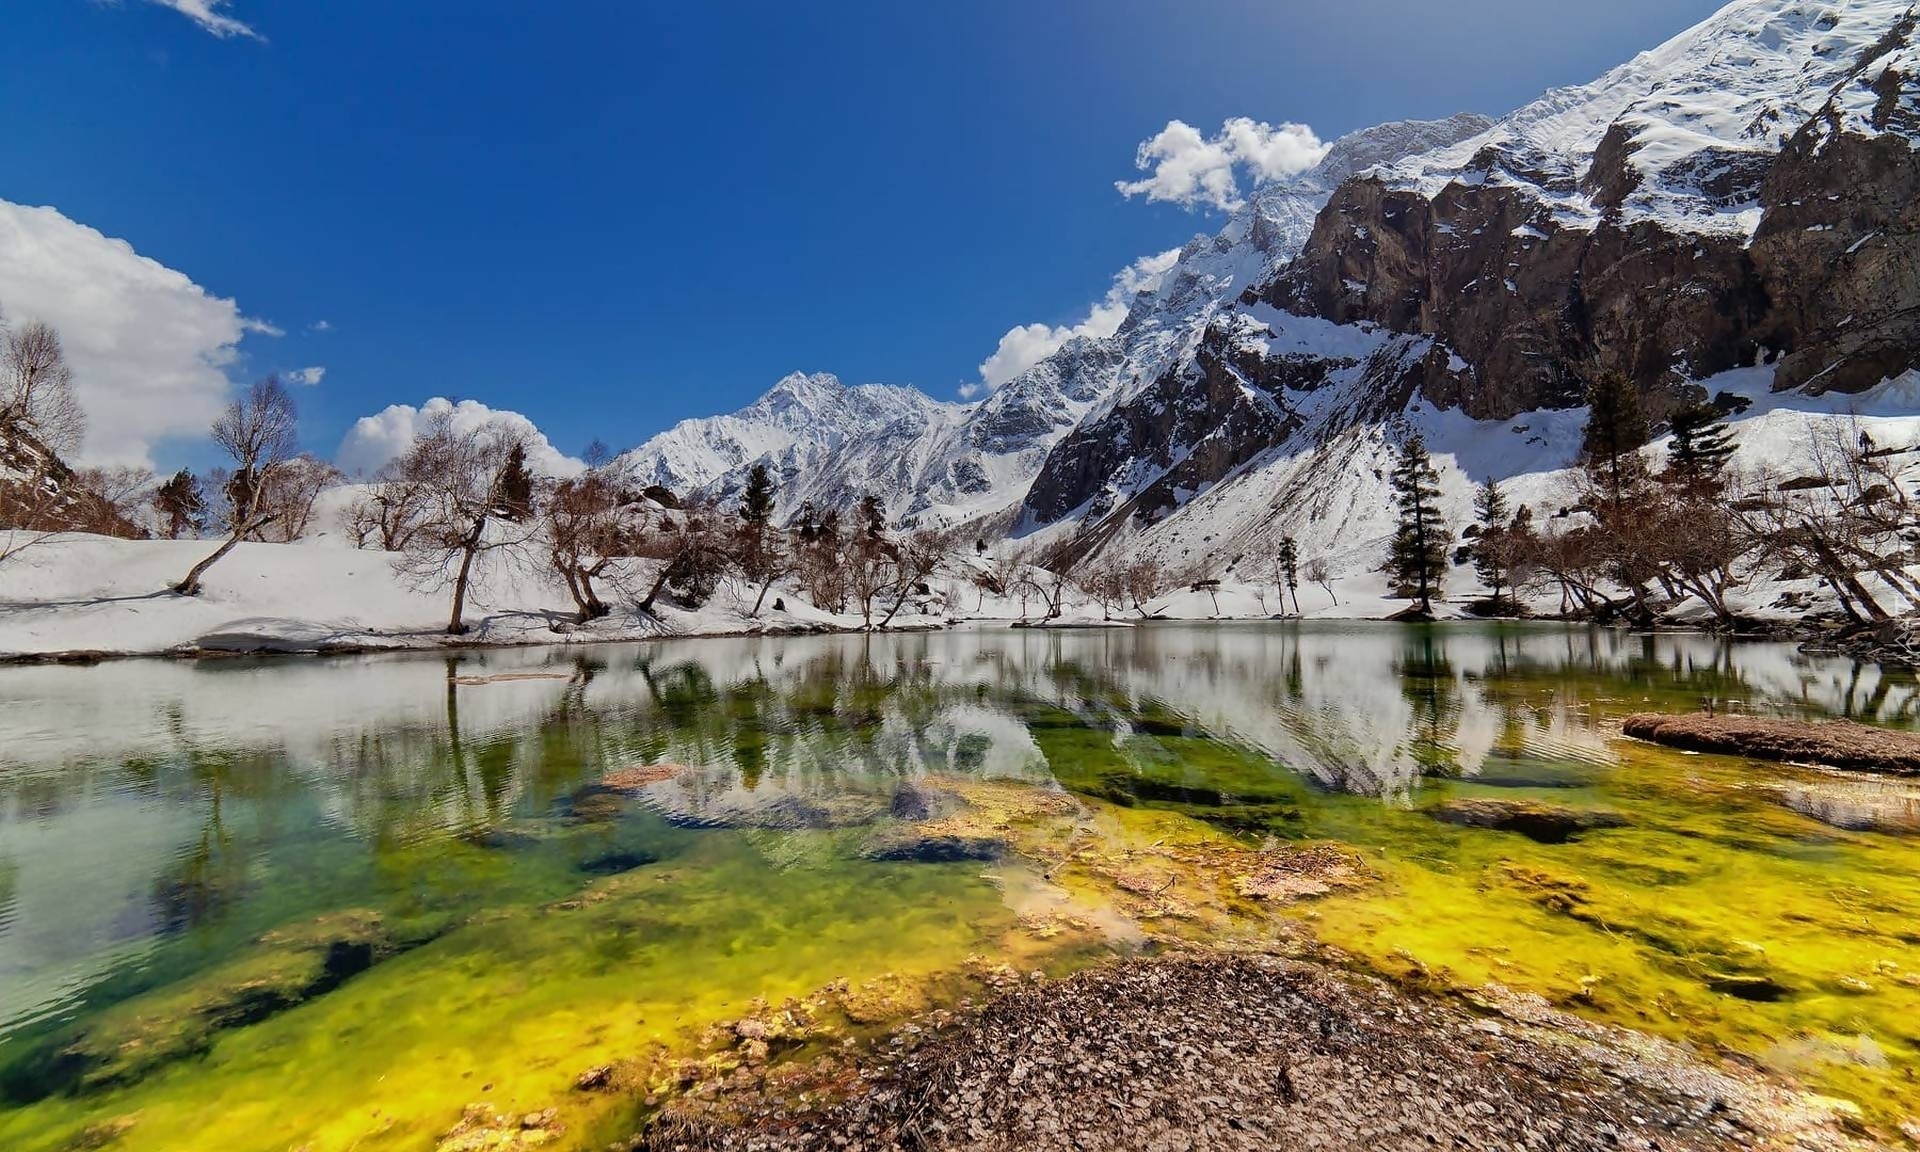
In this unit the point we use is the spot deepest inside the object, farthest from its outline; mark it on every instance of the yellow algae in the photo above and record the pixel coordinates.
(560, 923)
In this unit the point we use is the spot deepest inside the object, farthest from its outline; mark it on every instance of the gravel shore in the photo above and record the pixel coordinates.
(1229, 1053)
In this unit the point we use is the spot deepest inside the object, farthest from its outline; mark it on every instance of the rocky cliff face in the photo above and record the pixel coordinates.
(1744, 193)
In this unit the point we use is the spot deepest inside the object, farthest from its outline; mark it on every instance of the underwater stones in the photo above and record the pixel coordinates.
(1835, 743)
(1541, 823)
(1744, 986)
(908, 843)
(281, 970)
(616, 861)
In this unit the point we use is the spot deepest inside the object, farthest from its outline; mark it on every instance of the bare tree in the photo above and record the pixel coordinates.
(36, 386)
(115, 499)
(1145, 583)
(915, 560)
(289, 494)
(592, 521)
(257, 432)
(819, 543)
(29, 510)
(388, 511)
(1319, 573)
(692, 548)
(478, 499)
(1032, 578)
(1104, 583)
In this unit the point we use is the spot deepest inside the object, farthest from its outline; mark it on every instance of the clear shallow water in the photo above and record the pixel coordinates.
(327, 903)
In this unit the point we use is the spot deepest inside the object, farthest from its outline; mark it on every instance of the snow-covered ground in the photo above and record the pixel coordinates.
(93, 594)
(77, 593)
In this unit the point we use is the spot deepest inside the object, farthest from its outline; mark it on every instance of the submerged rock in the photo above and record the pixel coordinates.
(616, 861)
(933, 847)
(786, 812)
(1835, 743)
(1541, 823)
(281, 970)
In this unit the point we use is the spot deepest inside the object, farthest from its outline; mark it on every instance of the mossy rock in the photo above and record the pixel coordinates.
(1541, 823)
(280, 970)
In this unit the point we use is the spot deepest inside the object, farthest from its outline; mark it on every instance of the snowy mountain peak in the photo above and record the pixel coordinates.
(1681, 133)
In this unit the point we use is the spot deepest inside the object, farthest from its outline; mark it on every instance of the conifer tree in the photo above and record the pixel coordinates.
(1490, 549)
(760, 555)
(1418, 556)
(1701, 444)
(1616, 428)
(516, 486)
(1289, 565)
(873, 517)
(182, 504)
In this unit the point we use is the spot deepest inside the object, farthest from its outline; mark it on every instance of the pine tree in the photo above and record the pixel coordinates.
(182, 504)
(1418, 557)
(515, 487)
(1616, 428)
(1490, 547)
(873, 517)
(756, 505)
(1701, 444)
(1289, 565)
(760, 552)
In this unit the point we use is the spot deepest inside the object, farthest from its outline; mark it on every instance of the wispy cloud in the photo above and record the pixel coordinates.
(261, 327)
(306, 376)
(1183, 167)
(209, 15)
(320, 326)
(1023, 347)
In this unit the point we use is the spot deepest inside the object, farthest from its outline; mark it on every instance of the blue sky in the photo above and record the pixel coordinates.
(610, 216)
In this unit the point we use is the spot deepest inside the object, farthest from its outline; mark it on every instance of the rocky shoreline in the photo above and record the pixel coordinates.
(1226, 1052)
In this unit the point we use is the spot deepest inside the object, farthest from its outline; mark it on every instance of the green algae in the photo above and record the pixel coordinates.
(510, 924)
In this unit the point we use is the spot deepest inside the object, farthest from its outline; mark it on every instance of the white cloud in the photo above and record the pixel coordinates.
(208, 14)
(1023, 347)
(1187, 168)
(320, 326)
(149, 347)
(386, 435)
(261, 327)
(306, 376)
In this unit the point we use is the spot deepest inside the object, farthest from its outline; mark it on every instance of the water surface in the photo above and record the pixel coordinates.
(327, 903)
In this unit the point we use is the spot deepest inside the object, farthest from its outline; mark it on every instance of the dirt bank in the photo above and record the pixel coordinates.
(1835, 743)
(1227, 1053)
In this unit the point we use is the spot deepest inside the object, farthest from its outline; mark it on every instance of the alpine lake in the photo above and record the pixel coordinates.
(330, 903)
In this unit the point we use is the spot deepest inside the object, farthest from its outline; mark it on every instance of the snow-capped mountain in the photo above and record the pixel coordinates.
(1747, 194)
(935, 462)
(1734, 215)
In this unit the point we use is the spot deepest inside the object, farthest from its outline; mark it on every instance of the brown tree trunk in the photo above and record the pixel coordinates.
(470, 547)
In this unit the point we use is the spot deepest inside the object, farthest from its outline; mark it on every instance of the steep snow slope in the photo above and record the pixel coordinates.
(934, 462)
(1721, 200)
(1681, 133)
